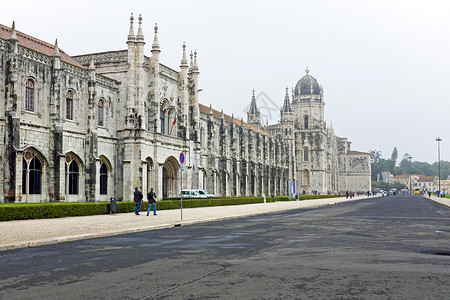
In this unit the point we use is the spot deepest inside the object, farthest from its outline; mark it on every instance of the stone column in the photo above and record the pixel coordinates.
(127, 182)
(97, 180)
(18, 186)
(145, 189)
(246, 185)
(62, 178)
(238, 185)
(159, 180)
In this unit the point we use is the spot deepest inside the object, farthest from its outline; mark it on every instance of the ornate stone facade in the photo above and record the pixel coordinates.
(321, 161)
(91, 127)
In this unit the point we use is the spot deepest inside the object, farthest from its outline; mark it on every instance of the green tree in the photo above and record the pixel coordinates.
(405, 163)
(394, 156)
(380, 166)
(375, 156)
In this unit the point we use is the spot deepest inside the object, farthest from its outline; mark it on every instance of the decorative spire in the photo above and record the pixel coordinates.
(56, 49)
(194, 66)
(184, 62)
(195, 58)
(221, 114)
(210, 109)
(191, 64)
(13, 35)
(155, 46)
(140, 35)
(287, 103)
(131, 36)
(253, 108)
(307, 70)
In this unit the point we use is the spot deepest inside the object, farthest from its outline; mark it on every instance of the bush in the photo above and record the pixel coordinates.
(22, 211)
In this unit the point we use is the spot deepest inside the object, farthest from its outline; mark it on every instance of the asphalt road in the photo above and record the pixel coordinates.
(379, 248)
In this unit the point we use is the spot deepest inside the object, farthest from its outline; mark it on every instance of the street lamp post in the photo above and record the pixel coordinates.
(439, 164)
(410, 166)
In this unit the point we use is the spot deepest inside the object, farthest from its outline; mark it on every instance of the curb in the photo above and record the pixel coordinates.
(63, 239)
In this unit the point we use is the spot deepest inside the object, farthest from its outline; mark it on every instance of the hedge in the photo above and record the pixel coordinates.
(22, 211)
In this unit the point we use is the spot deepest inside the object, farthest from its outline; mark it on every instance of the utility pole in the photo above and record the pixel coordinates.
(410, 167)
(439, 164)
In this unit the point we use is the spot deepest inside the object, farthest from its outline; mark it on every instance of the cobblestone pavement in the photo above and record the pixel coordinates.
(30, 233)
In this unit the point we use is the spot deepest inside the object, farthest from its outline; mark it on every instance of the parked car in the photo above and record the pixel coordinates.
(205, 194)
(190, 194)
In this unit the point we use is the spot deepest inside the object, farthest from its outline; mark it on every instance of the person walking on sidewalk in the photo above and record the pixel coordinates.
(151, 197)
(137, 200)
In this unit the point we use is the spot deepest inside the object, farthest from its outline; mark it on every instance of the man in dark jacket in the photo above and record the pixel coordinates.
(137, 200)
(151, 197)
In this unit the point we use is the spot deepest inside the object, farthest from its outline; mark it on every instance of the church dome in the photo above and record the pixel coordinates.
(307, 85)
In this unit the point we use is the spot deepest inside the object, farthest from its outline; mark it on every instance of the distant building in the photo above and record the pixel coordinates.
(445, 186)
(426, 183)
(385, 176)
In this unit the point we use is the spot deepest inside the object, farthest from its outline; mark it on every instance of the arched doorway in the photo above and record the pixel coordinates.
(170, 171)
(105, 179)
(32, 176)
(73, 178)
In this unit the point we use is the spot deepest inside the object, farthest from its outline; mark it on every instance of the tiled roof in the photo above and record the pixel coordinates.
(36, 45)
(356, 152)
(217, 114)
(425, 178)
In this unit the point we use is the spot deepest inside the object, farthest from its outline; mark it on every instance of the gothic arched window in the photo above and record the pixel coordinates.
(31, 176)
(306, 122)
(73, 178)
(29, 95)
(103, 179)
(100, 112)
(69, 105)
(35, 176)
(162, 118)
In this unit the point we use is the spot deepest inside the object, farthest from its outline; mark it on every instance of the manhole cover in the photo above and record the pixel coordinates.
(436, 252)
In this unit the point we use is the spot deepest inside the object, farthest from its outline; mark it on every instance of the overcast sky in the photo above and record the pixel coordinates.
(384, 65)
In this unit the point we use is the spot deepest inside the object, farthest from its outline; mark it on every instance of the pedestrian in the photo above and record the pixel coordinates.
(346, 194)
(137, 200)
(151, 197)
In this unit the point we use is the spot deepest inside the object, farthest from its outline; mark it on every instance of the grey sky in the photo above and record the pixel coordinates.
(384, 65)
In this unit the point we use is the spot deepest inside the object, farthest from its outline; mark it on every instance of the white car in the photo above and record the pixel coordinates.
(190, 194)
(205, 194)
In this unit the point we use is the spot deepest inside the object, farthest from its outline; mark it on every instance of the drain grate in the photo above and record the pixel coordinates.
(436, 252)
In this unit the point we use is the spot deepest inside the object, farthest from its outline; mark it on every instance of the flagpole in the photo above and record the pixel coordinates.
(173, 123)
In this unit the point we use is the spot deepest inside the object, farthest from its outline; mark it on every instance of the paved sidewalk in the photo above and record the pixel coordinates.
(30, 233)
(444, 201)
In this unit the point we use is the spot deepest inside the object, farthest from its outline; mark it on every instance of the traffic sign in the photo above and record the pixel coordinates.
(181, 157)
